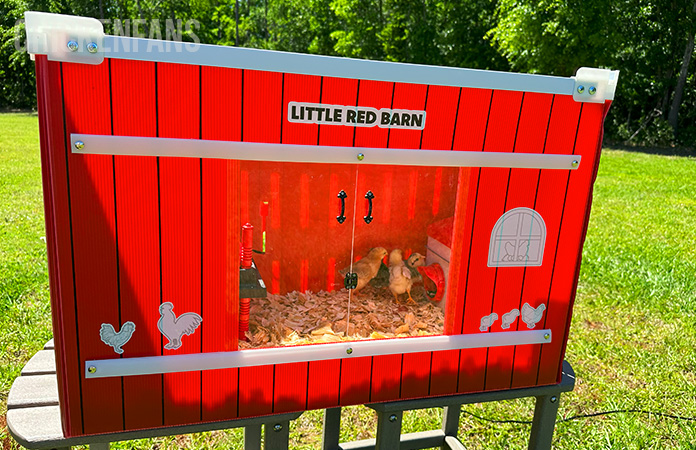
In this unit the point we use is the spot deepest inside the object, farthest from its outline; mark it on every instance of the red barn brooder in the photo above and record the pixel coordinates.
(155, 156)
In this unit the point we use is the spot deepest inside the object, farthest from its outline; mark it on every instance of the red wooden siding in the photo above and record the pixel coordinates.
(500, 137)
(521, 192)
(262, 112)
(180, 213)
(139, 231)
(87, 110)
(54, 148)
(221, 113)
(552, 188)
(133, 88)
(576, 212)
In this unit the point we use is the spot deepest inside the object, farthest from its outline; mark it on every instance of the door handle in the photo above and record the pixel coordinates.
(342, 217)
(369, 196)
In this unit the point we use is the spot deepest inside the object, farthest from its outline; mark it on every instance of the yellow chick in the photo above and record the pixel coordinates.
(367, 267)
(413, 262)
(399, 276)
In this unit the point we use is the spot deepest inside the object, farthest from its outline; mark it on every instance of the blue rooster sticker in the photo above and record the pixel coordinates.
(110, 337)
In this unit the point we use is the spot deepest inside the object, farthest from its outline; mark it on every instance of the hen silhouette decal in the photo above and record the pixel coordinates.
(109, 336)
(174, 328)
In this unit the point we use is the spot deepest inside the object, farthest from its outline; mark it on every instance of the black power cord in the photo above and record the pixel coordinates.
(584, 416)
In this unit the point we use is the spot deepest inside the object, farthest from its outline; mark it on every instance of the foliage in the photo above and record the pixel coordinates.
(647, 40)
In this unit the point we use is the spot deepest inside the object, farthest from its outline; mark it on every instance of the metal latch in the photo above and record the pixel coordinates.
(351, 281)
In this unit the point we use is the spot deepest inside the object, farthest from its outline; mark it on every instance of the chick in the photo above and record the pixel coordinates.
(367, 267)
(413, 262)
(399, 276)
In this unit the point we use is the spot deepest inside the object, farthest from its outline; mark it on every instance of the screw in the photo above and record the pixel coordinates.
(581, 89)
(361, 156)
(547, 336)
(349, 350)
(592, 90)
(92, 47)
(277, 427)
(72, 46)
(575, 164)
(392, 418)
(554, 399)
(92, 369)
(79, 145)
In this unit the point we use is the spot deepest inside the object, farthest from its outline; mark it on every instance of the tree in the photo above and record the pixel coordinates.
(683, 71)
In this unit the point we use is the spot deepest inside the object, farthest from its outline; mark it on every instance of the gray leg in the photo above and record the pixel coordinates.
(452, 443)
(544, 422)
(389, 430)
(450, 422)
(277, 435)
(332, 429)
(252, 437)
(99, 446)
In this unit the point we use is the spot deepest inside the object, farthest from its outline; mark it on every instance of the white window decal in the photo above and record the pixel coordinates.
(517, 239)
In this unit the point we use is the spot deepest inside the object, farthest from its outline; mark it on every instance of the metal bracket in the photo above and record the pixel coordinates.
(595, 85)
(65, 38)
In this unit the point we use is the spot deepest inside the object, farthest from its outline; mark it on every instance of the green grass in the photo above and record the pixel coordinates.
(632, 341)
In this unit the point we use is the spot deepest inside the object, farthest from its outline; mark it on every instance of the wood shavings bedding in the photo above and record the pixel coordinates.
(307, 318)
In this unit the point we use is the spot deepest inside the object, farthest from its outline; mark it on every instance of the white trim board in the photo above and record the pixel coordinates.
(254, 151)
(123, 47)
(82, 40)
(303, 353)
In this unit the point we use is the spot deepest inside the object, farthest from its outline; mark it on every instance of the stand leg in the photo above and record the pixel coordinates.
(332, 429)
(389, 430)
(544, 422)
(277, 435)
(450, 422)
(252, 437)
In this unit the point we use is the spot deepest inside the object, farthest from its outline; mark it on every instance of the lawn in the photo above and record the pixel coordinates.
(632, 342)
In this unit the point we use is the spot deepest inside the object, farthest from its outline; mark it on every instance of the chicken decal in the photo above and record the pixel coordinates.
(487, 321)
(110, 337)
(509, 318)
(174, 328)
(531, 316)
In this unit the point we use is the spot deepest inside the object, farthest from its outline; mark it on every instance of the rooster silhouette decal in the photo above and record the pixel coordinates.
(174, 328)
(110, 337)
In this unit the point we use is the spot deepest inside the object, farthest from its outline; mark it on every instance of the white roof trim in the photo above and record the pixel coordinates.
(82, 40)
(329, 66)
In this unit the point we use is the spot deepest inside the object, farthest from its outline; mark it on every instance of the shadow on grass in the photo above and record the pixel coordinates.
(664, 151)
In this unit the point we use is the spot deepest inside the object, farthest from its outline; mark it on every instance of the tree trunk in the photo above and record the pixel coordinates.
(681, 83)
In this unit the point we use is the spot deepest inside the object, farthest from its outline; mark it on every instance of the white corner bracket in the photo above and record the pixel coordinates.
(595, 85)
(65, 38)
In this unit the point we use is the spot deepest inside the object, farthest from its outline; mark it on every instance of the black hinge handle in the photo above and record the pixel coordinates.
(369, 196)
(351, 281)
(342, 195)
